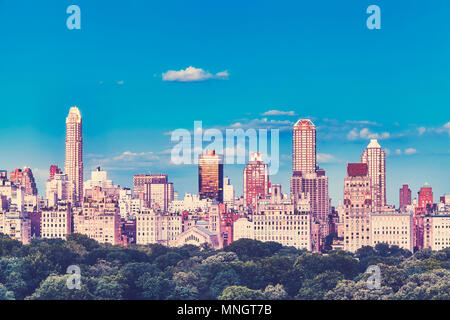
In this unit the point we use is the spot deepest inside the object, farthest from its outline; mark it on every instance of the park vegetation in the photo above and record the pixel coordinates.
(246, 269)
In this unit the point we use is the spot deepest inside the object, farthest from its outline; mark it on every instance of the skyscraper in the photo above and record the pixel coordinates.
(158, 192)
(24, 179)
(228, 193)
(425, 196)
(74, 151)
(256, 180)
(54, 169)
(210, 176)
(304, 159)
(357, 207)
(375, 158)
(315, 187)
(405, 197)
(307, 177)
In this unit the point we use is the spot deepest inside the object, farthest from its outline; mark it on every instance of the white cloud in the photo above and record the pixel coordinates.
(325, 158)
(439, 130)
(192, 74)
(421, 130)
(363, 122)
(263, 123)
(278, 113)
(410, 151)
(447, 127)
(131, 156)
(365, 133)
(353, 134)
(222, 75)
(398, 151)
(127, 160)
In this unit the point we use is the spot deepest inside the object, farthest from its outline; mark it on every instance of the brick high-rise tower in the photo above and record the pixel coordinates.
(256, 180)
(74, 151)
(376, 162)
(405, 197)
(425, 196)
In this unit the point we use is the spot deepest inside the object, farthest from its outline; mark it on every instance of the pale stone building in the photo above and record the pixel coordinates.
(437, 232)
(56, 222)
(99, 219)
(60, 188)
(15, 225)
(280, 220)
(395, 229)
(154, 227)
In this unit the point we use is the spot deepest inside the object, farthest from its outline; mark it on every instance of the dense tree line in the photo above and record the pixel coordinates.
(246, 269)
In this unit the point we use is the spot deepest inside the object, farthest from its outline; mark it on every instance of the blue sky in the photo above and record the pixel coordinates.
(315, 58)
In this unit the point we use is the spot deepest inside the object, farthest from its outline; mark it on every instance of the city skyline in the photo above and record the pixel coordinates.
(264, 71)
(74, 139)
(193, 151)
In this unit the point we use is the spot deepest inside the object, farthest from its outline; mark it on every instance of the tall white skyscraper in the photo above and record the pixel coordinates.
(376, 162)
(74, 151)
(228, 192)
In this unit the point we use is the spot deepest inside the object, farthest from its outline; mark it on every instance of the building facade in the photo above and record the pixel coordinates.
(15, 225)
(228, 193)
(256, 180)
(375, 158)
(357, 207)
(304, 158)
(24, 179)
(99, 178)
(425, 197)
(158, 192)
(54, 169)
(285, 221)
(154, 227)
(74, 151)
(437, 232)
(405, 197)
(56, 222)
(395, 229)
(210, 176)
(99, 219)
(60, 188)
(307, 178)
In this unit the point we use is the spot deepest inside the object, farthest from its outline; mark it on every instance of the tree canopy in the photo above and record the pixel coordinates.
(246, 269)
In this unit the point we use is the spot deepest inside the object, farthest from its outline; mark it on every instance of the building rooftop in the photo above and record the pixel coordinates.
(373, 144)
(393, 213)
(357, 169)
(205, 231)
(304, 123)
